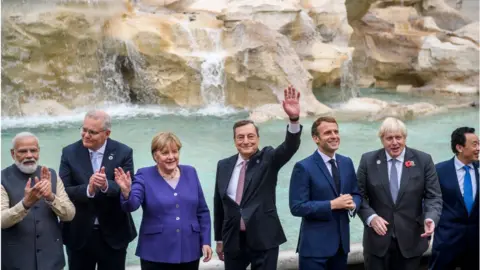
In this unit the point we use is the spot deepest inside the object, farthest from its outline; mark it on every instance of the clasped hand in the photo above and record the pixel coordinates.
(98, 180)
(344, 201)
(41, 189)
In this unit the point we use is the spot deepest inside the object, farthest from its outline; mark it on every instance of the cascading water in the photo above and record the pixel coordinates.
(348, 80)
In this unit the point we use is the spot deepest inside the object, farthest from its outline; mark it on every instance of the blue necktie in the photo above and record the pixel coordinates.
(467, 189)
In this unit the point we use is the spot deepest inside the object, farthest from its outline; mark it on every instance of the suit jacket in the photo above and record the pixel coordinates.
(117, 226)
(175, 222)
(457, 231)
(257, 207)
(312, 188)
(419, 198)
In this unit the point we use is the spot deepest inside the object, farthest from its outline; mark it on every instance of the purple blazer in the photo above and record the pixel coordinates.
(175, 222)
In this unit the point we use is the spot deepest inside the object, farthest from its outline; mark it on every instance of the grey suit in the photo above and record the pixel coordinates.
(419, 198)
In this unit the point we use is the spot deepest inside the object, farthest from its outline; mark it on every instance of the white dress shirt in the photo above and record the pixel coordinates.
(461, 175)
(232, 186)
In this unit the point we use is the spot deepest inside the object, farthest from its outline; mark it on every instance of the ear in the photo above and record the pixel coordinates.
(459, 148)
(316, 139)
(12, 152)
(107, 132)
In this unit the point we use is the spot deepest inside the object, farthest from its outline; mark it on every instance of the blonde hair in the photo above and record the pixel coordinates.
(164, 139)
(391, 124)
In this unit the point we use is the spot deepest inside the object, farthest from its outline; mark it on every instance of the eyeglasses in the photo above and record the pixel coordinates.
(90, 132)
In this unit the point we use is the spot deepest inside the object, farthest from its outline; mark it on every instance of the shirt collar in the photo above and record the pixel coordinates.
(459, 165)
(400, 158)
(326, 158)
(101, 150)
(240, 160)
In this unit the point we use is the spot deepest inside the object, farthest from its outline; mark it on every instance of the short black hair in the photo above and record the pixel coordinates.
(458, 137)
(242, 123)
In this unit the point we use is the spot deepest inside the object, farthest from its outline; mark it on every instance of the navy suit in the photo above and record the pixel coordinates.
(86, 242)
(456, 236)
(324, 233)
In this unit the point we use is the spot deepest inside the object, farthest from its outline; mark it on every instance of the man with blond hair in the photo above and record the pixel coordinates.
(402, 201)
(33, 199)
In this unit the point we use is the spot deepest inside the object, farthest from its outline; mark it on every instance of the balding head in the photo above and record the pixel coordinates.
(25, 152)
(96, 129)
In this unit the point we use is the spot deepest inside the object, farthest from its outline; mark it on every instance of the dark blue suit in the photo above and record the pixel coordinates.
(456, 235)
(324, 233)
(84, 240)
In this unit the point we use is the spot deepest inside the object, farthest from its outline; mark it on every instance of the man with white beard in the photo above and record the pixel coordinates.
(33, 198)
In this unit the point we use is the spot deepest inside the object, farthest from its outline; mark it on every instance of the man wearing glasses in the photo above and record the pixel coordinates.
(99, 234)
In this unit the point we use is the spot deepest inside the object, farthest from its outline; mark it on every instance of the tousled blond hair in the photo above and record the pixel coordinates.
(391, 124)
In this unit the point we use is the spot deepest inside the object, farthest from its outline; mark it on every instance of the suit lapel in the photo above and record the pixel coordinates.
(382, 167)
(251, 166)
(86, 161)
(227, 173)
(453, 180)
(321, 164)
(405, 177)
(343, 181)
(475, 167)
(108, 156)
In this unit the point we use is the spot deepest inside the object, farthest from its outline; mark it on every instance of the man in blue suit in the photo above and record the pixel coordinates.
(323, 191)
(98, 236)
(455, 241)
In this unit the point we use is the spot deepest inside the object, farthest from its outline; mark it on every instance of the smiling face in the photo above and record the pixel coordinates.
(393, 142)
(327, 138)
(167, 158)
(26, 153)
(93, 133)
(246, 140)
(469, 152)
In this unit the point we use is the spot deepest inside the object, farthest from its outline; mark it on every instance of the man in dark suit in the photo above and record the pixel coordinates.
(100, 232)
(246, 223)
(402, 201)
(455, 242)
(323, 191)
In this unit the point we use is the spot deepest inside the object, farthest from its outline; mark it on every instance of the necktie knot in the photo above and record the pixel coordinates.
(332, 162)
(466, 168)
(394, 161)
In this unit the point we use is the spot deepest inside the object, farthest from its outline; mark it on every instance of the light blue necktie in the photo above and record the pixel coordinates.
(394, 180)
(94, 161)
(467, 189)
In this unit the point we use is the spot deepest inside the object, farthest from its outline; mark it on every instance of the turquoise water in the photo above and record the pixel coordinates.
(207, 137)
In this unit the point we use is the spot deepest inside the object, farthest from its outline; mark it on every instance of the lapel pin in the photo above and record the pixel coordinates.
(258, 161)
(378, 162)
(110, 157)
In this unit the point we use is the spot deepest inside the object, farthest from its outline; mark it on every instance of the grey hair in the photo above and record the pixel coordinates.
(391, 124)
(99, 114)
(21, 135)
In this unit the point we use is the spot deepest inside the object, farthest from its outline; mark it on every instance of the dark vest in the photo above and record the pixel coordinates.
(35, 243)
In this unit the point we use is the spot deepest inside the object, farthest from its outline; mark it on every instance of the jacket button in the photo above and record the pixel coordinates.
(38, 250)
(37, 221)
(38, 235)
(177, 218)
(177, 206)
(178, 230)
(175, 194)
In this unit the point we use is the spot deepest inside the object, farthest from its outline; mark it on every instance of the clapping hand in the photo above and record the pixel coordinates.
(124, 181)
(45, 184)
(291, 102)
(31, 194)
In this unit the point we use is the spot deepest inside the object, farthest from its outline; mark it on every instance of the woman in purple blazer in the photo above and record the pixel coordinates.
(175, 227)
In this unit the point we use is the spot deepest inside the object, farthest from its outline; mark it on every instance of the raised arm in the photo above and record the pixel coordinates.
(132, 194)
(285, 151)
(299, 200)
